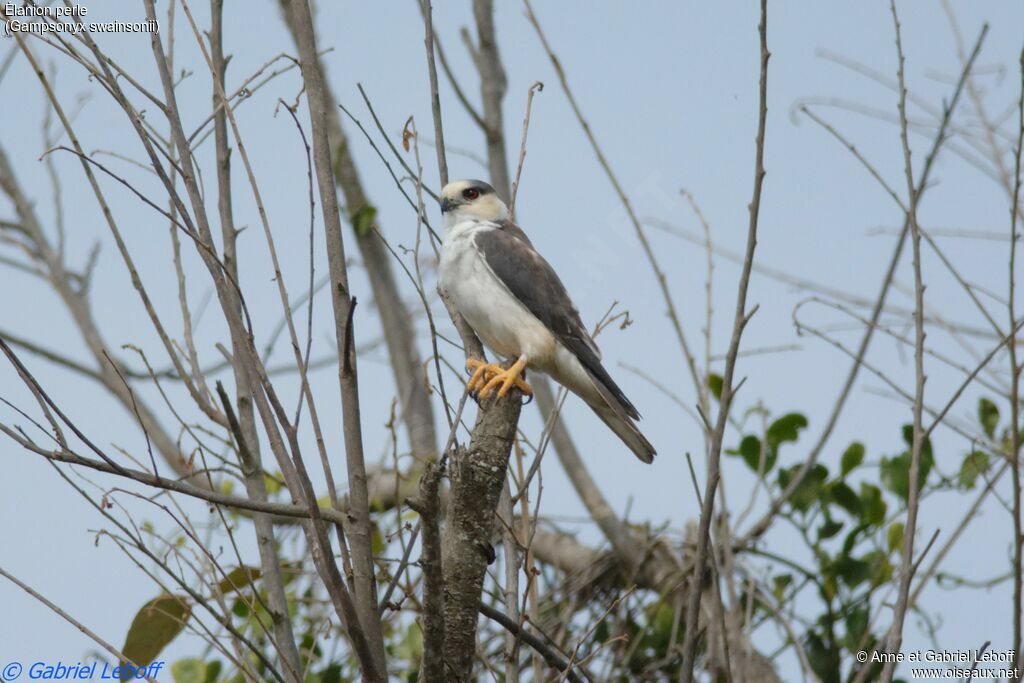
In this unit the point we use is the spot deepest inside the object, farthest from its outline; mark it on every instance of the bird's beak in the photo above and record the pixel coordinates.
(447, 205)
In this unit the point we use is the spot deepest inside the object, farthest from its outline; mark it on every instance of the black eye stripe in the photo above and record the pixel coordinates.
(471, 193)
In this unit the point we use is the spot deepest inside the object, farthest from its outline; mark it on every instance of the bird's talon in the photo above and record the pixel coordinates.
(482, 374)
(504, 380)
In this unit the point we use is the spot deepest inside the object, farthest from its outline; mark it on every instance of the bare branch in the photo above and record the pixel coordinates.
(79, 625)
(477, 478)
(725, 401)
(365, 591)
(908, 564)
(764, 523)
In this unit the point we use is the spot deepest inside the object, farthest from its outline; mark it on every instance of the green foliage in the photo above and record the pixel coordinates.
(239, 578)
(829, 529)
(894, 536)
(377, 542)
(715, 385)
(809, 490)
(273, 483)
(896, 470)
(780, 584)
(652, 633)
(974, 465)
(853, 456)
(213, 668)
(852, 570)
(988, 416)
(332, 673)
(410, 648)
(841, 494)
(856, 622)
(785, 429)
(189, 670)
(363, 219)
(852, 545)
(155, 625)
(847, 514)
(750, 450)
(873, 505)
(823, 657)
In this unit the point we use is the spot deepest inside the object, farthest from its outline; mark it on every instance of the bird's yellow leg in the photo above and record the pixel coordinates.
(506, 378)
(482, 373)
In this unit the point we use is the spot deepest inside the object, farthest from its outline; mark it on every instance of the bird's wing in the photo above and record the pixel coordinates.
(533, 282)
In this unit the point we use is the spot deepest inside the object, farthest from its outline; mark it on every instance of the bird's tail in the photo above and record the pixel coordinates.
(591, 382)
(615, 410)
(626, 430)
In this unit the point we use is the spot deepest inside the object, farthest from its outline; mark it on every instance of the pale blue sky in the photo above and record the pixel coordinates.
(670, 91)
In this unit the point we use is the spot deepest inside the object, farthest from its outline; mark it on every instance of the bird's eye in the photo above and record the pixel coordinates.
(471, 194)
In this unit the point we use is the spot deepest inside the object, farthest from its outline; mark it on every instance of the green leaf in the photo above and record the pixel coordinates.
(830, 587)
(410, 648)
(853, 571)
(845, 498)
(908, 437)
(750, 450)
(829, 529)
(873, 506)
(853, 456)
(239, 578)
(896, 470)
(856, 626)
(290, 571)
(975, 464)
(158, 623)
(308, 646)
(809, 490)
(602, 633)
(377, 544)
(881, 567)
(331, 674)
(715, 385)
(362, 220)
(786, 428)
(660, 622)
(823, 658)
(240, 609)
(189, 670)
(894, 536)
(988, 416)
(852, 537)
(779, 585)
(896, 473)
(212, 671)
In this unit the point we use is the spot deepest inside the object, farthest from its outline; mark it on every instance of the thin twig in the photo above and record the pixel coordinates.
(913, 501)
(765, 522)
(144, 670)
(535, 88)
(741, 318)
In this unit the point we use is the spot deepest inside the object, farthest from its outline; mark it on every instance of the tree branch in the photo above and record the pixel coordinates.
(907, 565)
(364, 585)
(477, 478)
(725, 402)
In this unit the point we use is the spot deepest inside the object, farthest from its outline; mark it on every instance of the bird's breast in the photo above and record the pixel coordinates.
(499, 319)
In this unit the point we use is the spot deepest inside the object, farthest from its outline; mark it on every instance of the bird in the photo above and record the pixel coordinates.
(518, 307)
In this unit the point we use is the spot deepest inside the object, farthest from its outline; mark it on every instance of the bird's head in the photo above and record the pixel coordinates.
(471, 199)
